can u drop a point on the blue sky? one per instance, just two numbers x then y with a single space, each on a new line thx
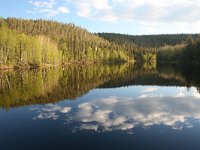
119 16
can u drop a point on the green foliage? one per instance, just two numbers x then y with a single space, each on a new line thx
163 48
39 42
170 54
40 86
191 53
185 54
49 85
148 41
18 49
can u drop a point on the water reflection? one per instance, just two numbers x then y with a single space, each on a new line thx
126 106
116 113
49 112
43 86
19 88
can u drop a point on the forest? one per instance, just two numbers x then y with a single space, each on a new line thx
148 41
164 48
37 43
32 43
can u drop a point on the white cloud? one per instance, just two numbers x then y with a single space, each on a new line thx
119 113
142 10
43 4
125 126
49 115
89 127
149 92
50 111
127 113
195 92
153 16
181 92
149 89
150 95
48 8
95 9
83 10
63 10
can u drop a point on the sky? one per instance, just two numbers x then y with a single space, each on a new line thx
136 17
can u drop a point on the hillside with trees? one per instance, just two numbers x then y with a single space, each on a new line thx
148 41
35 43
38 42
185 54
165 48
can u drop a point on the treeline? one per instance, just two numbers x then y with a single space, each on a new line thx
185 54
191 53
148 41
170 54
36 42
40 42
135 46
167 48
150 47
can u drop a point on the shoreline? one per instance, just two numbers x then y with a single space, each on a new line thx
27 66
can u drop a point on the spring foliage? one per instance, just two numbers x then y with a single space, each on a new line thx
37 42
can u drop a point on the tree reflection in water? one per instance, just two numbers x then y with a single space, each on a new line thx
42 86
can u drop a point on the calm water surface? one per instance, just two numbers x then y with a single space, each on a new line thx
100 107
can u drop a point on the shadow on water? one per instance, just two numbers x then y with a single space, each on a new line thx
41 86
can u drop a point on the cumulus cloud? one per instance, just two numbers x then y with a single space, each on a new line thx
98 9
126 113
181 92
48 8
153 16
51 111
195 92
63 10
89 127
142 10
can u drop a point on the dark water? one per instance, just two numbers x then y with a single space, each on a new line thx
100 107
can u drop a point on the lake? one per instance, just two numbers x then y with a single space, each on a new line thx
125 106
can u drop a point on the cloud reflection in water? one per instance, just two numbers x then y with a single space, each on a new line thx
126 113
50 111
